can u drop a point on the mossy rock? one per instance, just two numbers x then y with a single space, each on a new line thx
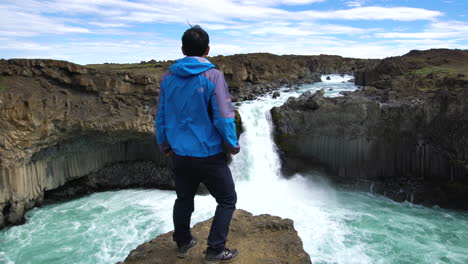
441 72
238 121
285 142
3 83
275 116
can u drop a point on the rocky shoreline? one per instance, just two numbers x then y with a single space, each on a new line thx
404 136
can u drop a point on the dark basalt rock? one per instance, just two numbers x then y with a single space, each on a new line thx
276 95
407 145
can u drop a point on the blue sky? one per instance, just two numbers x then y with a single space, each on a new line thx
98 31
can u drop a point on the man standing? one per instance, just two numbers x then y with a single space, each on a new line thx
195 125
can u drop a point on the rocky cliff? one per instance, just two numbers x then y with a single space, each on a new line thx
259 239
67 129
60 121
251 75
405 138
417 72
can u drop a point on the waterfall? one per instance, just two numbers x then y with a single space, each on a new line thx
336 226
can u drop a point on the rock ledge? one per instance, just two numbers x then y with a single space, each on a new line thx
259 239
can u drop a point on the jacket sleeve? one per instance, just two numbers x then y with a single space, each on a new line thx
160 124
223 113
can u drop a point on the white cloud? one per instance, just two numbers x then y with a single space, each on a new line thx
374 13
457 26
18 23
108 25
436 30
24 45
417 35
276 2
304 29
235 26
227 49
355 3
208 11
300 2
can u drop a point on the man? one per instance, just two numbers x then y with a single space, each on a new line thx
195 122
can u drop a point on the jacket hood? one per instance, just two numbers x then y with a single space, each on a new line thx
189 66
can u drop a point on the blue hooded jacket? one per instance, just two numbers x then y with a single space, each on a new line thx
195 115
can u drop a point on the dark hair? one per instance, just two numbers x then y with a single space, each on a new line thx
195 41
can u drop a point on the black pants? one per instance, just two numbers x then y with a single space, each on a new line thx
214 172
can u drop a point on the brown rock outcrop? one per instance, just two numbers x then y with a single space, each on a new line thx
60 121
407 144
418 71
259 239
251 75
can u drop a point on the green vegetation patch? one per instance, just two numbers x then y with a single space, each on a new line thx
428 88
3 83
238 121
437 72
145 68
431 77
117 67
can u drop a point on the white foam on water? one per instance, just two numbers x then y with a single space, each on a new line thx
302 199
336 78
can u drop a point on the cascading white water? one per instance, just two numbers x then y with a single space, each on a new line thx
335 226
303 199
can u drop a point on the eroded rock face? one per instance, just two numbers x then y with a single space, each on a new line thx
407 145
418 71
60 121
250 75
259 239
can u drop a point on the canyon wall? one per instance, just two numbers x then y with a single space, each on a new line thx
254 74
250 75
405 138
61 121
67 129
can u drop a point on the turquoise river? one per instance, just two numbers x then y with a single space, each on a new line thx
336 225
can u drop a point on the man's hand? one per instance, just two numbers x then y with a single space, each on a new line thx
235 150
169 153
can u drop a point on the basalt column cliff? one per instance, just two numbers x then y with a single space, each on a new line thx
67 129
60 121
405 134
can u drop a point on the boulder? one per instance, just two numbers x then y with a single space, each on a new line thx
259 239
275 95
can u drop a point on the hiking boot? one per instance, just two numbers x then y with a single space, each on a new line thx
225 256
183 251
